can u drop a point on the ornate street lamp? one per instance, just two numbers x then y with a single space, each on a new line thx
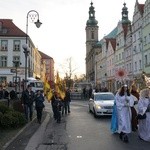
33 15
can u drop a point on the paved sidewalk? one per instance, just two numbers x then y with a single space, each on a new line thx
20 141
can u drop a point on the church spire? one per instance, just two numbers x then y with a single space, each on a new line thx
125 19
92 21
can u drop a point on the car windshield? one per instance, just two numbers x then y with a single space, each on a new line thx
99 97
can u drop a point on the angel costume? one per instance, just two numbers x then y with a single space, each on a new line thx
144 124
123 104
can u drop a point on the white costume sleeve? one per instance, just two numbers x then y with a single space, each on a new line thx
142 105
131 101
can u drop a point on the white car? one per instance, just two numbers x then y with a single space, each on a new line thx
101 103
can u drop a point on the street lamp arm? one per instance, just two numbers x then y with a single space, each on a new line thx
37 23
25 46
33 11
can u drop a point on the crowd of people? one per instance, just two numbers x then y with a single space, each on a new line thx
29 98
59 106
131 113
7 95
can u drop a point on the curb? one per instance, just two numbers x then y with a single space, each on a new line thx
38 135
9 142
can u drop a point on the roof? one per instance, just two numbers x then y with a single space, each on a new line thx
8 28
141 8
112 35
112 41
44 56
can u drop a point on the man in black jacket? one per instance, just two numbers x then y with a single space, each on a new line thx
27 102
67 101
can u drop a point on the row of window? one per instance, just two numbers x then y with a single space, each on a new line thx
136 66
4 59
16 45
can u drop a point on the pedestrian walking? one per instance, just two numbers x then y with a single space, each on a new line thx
56 106
124 101
5 95
114 119
13 94
1 92
144 109
39 105
66 102
27 99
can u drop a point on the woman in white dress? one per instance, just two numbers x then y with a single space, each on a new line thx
124 100
144 107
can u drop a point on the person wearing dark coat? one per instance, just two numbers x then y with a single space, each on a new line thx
67 101
13 94
134 120
39 105
56 106
5 94
27 99
1 93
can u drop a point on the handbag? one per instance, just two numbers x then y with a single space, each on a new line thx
140 117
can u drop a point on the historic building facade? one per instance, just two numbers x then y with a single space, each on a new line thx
12 57
127 48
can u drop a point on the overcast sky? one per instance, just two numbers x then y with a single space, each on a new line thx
62 34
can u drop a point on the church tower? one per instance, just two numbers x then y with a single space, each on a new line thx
125 19
91 40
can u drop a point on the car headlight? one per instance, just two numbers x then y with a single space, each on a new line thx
98 106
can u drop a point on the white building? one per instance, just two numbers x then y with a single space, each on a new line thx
12 55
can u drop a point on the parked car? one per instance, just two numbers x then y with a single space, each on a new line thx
101 103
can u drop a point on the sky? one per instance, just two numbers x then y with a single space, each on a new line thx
62 34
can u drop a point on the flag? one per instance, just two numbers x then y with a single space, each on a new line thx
49 95
47 90
59 86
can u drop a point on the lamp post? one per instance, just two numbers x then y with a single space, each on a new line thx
33 15
16 65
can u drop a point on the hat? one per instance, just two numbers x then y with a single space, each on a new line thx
125 85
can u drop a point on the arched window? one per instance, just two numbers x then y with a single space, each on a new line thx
92 35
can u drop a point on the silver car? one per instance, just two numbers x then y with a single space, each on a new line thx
101 103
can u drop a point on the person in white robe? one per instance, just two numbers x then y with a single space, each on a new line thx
144 107
124 100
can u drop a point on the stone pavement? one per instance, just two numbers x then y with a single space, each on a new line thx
20 141
48 135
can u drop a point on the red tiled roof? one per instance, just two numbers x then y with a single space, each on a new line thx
112 41
141 8
8 28
44 56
